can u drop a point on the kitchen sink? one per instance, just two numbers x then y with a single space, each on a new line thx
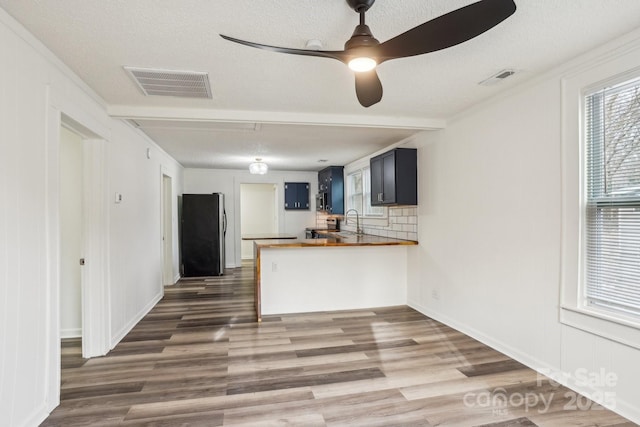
348 234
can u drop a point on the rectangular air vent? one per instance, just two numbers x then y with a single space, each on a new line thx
498 77
186 84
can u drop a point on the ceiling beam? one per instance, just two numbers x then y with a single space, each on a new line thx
276 117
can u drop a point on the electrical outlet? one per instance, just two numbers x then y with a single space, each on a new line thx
435 294
274 267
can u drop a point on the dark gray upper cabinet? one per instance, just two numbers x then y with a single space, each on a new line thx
296 195
331 184
394 177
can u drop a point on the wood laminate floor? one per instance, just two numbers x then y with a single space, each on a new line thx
200 359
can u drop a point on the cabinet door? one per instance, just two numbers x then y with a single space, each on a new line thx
336 193
389 178
290 195
296 195
394 178
302 195
323 178
376 181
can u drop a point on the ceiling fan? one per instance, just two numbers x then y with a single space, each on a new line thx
362 52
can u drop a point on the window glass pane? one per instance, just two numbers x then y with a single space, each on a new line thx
368 209
354 191
613 204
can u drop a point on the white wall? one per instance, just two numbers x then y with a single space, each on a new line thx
136 225
489 260
36 88
71 220
202 181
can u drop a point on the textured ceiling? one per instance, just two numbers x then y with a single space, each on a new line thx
96 38
206 144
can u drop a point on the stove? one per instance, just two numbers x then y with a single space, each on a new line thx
333 224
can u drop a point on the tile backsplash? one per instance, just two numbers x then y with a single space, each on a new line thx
401 223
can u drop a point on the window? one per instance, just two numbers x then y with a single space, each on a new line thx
359 194
612 213
354 191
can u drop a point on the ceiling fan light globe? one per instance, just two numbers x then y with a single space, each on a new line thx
362 64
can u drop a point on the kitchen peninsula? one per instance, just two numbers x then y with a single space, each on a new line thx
339 272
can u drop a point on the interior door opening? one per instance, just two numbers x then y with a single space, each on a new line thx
71 202
71 233
167 232
258 213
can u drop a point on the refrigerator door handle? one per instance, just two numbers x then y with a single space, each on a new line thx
224 224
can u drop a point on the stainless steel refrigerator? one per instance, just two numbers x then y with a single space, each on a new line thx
204 225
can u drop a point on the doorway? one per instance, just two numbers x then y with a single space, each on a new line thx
258 213
78 303
71 232
167 231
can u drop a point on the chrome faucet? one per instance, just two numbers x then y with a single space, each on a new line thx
346 220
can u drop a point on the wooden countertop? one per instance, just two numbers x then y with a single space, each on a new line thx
268 236
335 239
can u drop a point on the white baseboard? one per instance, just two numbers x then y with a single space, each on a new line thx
622 408
513 353
134 321
632 413
37 417
71 333
174 281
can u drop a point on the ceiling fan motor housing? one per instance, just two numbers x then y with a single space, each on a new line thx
360 5
361 37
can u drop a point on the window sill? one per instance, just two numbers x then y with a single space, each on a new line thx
602 324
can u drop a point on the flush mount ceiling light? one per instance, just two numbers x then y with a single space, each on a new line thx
258 167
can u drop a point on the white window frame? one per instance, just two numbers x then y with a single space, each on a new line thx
366 210
574 310
350 194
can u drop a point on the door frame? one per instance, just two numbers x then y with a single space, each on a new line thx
96 304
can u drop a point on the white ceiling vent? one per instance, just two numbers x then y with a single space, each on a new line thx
186 84
498 77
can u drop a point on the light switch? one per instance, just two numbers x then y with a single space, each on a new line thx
118 198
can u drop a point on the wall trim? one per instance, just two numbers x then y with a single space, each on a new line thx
622 408
603 53
115 339
273 117
500 346
71 333
96 295
21 32
38 416
52 187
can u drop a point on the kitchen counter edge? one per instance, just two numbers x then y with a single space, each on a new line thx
355 240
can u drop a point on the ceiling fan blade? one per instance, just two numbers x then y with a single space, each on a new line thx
448 30
368 88
338 54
